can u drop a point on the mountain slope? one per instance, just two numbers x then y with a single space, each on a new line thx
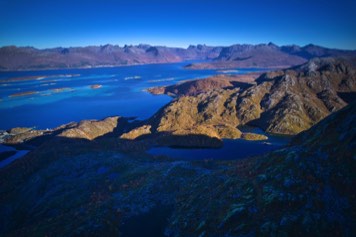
270 56
303 190
291 101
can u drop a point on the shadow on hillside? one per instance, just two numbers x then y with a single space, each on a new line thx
241 85
50 147
348 97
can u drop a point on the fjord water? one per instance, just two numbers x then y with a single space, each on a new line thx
46 99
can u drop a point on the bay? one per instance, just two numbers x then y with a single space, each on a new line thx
46 99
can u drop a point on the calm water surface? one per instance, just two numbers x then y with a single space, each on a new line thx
46 99
232 149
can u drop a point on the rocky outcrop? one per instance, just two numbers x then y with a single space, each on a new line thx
212 114
96 86
86 129
137 132
90 129
17 136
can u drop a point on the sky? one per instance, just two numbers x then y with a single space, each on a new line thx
55 23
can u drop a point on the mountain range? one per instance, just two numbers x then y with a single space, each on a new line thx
269 56
14 58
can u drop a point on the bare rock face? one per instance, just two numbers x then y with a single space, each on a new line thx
20 135
212 114
249 102
90 129
137 132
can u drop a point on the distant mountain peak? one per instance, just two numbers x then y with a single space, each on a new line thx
272 45
153 50
143 46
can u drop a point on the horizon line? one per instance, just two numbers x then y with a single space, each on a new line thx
167 46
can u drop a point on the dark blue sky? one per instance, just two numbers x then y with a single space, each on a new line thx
51 23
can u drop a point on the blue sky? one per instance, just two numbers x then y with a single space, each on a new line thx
53 23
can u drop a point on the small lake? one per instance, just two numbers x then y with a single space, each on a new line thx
232 149
46 99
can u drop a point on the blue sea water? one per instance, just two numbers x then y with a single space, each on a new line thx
62 96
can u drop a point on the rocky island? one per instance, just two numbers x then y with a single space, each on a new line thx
96 86
25 93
